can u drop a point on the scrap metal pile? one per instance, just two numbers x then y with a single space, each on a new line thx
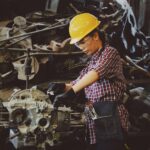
35 48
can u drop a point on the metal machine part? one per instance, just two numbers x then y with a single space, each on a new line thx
20 67
38 123
20 22
4 116
4 34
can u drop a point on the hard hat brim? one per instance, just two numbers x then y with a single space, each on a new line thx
73 41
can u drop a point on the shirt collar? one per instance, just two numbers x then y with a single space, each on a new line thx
97 54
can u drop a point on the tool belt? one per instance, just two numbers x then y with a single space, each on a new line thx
106 119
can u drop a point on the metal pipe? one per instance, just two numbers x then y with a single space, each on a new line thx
35 32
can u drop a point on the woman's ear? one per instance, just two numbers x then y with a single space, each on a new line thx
96 36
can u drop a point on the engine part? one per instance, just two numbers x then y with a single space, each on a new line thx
37 122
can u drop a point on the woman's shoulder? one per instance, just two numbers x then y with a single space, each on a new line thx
111 49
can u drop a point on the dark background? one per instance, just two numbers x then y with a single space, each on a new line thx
11 8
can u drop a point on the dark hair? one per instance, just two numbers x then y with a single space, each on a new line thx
101 34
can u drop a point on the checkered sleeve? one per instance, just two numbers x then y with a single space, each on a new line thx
106 65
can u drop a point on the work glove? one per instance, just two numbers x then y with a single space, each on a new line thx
56 88
69 99
66 98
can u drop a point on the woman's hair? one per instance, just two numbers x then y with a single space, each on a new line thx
101 34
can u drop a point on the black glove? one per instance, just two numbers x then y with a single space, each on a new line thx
67 98
78 107
56 88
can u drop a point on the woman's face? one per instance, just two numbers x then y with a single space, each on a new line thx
90 44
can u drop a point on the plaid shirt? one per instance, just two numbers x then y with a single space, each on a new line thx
110 87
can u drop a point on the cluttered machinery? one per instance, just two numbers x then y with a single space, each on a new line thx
33 121
28 118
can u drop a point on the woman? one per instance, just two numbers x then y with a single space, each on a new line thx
103 82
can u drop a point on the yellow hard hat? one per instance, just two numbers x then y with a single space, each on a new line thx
81 25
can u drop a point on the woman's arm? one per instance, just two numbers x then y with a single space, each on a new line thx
86 80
